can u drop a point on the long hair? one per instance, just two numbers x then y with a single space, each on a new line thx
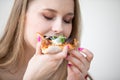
12 42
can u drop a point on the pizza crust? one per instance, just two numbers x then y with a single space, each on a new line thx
52 50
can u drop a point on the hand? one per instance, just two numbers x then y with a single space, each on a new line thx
78 64
42 66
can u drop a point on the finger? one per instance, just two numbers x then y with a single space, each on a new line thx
69 71
79 56
38 46
62 54
78 73
69 68
87 53
76 63
74 72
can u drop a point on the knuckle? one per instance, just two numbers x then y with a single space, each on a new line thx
81 55
86 50
63 55
91 56
79 64
88 67
77 72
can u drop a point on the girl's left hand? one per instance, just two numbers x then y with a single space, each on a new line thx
78 64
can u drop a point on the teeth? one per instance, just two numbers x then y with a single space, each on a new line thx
44 36
48 37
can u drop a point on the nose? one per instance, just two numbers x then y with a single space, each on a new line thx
57 26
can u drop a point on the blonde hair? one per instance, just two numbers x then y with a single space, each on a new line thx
12 42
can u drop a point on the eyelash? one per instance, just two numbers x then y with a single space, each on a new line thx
48 18
66 21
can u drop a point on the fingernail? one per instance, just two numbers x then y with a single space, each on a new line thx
86 76
80 49
68 46
69 65
39 38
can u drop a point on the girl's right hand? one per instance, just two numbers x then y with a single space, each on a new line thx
42 66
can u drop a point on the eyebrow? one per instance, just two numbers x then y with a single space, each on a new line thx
52 10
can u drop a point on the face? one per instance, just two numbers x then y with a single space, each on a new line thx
48 17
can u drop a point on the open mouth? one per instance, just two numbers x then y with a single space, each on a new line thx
48 37
56 39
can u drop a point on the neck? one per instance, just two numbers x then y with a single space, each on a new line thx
29 52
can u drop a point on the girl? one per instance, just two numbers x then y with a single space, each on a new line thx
20 51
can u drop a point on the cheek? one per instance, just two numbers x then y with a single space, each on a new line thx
67 31
32 26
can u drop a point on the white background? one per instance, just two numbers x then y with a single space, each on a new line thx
101 34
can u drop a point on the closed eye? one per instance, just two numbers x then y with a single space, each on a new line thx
48 18
68 21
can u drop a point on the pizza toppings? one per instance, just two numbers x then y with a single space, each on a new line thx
53 44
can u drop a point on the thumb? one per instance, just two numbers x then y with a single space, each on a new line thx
38 46
62 54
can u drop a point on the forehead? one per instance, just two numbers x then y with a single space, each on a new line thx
58 5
